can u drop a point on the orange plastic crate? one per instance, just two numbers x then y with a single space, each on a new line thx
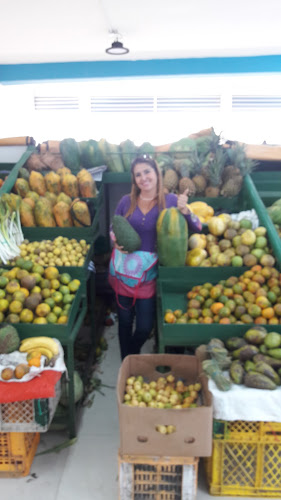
17 450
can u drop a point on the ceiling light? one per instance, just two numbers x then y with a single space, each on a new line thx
117 49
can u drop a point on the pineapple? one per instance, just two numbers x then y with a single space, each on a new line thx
234 172
200 183
171 179
214 173
186 183
232 186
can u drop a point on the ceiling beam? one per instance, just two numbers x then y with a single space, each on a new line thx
28 73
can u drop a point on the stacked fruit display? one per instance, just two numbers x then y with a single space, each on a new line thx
254 360
59 252
30 293
229 243
165 392
53 200
253 297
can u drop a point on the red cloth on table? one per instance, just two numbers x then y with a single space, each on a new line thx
42 386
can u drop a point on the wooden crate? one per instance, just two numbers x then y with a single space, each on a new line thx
157 478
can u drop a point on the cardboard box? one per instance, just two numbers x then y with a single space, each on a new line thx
138 434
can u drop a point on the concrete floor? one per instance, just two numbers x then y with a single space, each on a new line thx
88 470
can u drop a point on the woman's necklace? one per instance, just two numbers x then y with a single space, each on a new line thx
147 199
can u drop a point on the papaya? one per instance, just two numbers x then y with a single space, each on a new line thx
26 215
53 183
43 213
80 213
37 183
86 184
172 238
21 187
125 234
62 215
69 185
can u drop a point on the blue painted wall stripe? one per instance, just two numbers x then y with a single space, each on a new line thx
23 73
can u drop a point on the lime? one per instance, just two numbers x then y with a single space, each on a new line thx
68 298
51 318
4 304
40 321
27 265
55 284
2 294
57 310
64 289
74 285
57 296
50 301
65 278
3 281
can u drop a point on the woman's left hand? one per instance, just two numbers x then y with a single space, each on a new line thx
182 202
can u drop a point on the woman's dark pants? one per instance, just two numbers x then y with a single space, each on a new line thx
144 310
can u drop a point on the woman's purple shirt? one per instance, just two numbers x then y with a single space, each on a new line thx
145 225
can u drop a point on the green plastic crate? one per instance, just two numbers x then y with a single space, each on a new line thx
171 294
81 272
61 332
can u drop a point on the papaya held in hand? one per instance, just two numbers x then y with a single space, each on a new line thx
125 234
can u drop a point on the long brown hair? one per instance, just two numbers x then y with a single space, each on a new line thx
135 191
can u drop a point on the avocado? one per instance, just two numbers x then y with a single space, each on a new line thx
246 352
125 234
236 372
259 381
255 335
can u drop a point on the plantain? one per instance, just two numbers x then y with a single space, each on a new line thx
33 343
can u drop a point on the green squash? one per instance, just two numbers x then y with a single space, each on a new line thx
172 238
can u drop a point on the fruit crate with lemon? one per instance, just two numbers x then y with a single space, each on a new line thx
173 298
246 459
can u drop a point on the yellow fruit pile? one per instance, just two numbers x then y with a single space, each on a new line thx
59 252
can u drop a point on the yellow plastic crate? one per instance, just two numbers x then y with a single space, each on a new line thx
17 450
246 459
157 478
240 430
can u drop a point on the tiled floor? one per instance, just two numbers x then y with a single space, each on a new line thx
88 470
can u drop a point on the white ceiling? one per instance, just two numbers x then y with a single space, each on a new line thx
34 31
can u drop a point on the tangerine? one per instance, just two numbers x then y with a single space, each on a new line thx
268 312
216 307
170 318
260 321
224 321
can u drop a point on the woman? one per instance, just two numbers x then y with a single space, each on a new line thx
142 208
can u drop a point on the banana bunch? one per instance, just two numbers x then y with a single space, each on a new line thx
45 345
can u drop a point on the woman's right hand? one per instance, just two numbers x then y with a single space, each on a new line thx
118 247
